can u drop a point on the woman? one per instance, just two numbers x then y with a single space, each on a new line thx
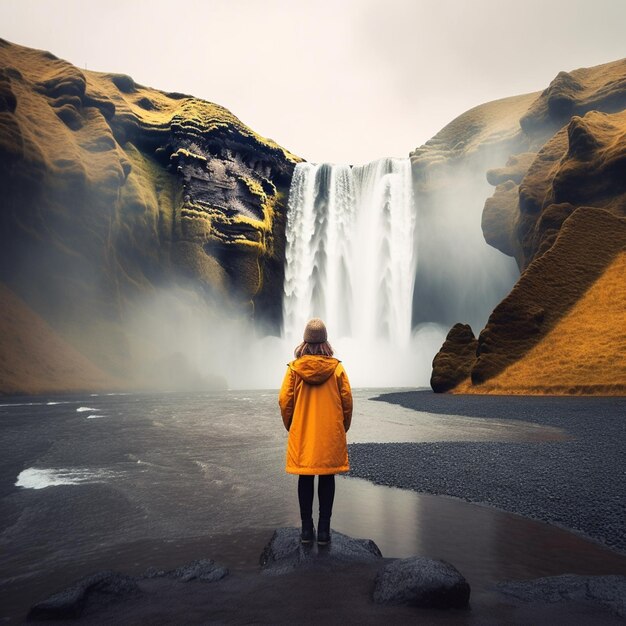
316 405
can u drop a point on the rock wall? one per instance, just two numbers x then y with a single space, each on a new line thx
559 208
111 190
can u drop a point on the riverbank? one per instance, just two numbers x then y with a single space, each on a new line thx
139 481
578 483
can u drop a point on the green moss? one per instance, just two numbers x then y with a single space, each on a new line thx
255 187
148 202
186 153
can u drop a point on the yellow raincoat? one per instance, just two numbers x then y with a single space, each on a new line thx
316 405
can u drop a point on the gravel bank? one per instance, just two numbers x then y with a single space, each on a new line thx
579 484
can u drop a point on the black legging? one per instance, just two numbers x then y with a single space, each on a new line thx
325 493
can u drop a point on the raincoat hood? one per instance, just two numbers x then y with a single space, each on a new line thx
314 369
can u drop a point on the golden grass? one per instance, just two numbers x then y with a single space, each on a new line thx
492 123
585 353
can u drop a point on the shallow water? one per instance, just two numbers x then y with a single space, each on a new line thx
164 476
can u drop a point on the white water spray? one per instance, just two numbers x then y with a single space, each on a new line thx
351 260
350 250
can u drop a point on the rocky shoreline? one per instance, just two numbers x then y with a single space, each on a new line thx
347 581
577 483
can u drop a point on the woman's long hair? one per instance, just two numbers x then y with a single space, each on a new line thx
323 349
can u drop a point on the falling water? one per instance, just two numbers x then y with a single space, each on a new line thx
350 253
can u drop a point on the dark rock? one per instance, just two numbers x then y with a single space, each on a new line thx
124 83
608 592
422 582
453 363
100 589
581 166
284 552
576 93
70 116
146 104
206 570
8 100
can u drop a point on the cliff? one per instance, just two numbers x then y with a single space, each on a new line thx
559 209
112 190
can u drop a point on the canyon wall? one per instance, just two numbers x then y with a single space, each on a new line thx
112 191
114 194
559 209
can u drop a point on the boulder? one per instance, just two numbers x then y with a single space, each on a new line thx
99 589
607 592
453 363
422 582
205 570
285 553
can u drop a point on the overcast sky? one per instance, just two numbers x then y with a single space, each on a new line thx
341 80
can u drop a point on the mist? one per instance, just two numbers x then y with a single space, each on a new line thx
182 340
179 341
460 277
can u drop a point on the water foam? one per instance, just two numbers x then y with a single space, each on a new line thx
38 478
22 404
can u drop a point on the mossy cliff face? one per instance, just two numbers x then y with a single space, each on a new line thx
111 189
559 209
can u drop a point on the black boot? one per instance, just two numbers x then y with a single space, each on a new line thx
308 531
323 531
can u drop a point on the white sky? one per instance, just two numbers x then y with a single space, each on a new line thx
343 80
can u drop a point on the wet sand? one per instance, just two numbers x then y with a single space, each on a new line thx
575 481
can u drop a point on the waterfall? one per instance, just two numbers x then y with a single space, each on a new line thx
350 251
